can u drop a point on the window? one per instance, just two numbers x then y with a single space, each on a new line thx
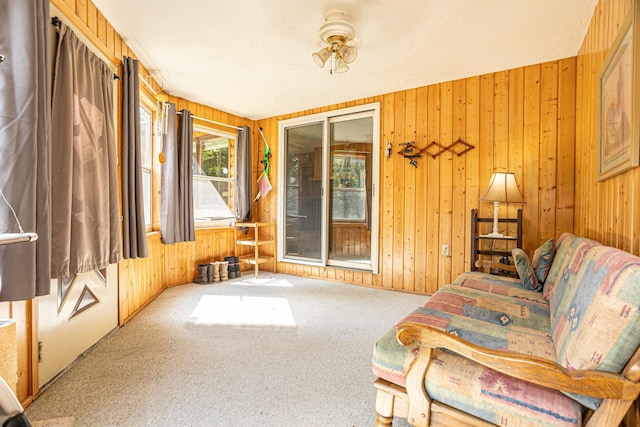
213 181
293 185
146 145
348 191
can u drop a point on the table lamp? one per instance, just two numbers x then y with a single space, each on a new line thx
502 188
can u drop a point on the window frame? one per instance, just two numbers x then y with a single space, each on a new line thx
147 103
231 180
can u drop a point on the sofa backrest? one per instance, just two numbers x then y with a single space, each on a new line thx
567 260
597 310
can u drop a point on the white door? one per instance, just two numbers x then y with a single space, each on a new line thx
75 315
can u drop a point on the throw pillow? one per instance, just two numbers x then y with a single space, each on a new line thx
525 271
542 259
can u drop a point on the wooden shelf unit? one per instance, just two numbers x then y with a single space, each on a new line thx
256 243
477 239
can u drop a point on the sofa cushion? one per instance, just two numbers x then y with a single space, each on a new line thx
485 281
495 397
525 271
542 260
568 257
499 285
518 323
597 318
391 360
493 321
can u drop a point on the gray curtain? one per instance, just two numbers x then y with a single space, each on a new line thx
169 179
85 213
134 236
176 191
25 99
243 175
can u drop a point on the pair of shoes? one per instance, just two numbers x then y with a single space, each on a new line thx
213 272
224 270
234 266
216 271
202 278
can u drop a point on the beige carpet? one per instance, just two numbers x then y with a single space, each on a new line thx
57 422
277 351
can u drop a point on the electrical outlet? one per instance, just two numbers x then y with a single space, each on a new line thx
445 250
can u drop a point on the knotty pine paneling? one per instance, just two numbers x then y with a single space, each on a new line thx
141 280
520 120
26 340
607 211
350 240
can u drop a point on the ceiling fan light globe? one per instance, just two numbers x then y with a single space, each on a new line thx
349 53
321 57
341 66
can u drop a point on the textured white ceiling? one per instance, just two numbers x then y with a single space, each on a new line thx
252 58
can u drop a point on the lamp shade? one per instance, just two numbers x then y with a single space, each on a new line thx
348 53
502 188
321 56
341 66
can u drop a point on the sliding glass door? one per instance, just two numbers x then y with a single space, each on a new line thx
303 192
350 188
329 205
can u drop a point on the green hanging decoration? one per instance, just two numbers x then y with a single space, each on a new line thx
264 186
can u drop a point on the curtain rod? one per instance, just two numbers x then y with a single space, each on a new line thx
146 83
9 238
55 21
211 121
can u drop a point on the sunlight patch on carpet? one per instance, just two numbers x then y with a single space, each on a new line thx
243 311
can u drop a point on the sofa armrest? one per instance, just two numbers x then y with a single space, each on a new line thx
533 369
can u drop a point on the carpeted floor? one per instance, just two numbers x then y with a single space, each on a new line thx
276 351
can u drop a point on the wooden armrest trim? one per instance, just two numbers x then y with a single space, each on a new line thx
487 265
528 368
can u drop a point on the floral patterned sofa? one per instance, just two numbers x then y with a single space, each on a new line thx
557 347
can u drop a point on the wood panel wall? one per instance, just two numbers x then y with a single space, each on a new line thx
607 211
141 280
23 314
520 120
350 240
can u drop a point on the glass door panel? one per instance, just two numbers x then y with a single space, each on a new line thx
327 205
303 196
350 187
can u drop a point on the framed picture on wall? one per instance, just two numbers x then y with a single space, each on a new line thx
619 137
